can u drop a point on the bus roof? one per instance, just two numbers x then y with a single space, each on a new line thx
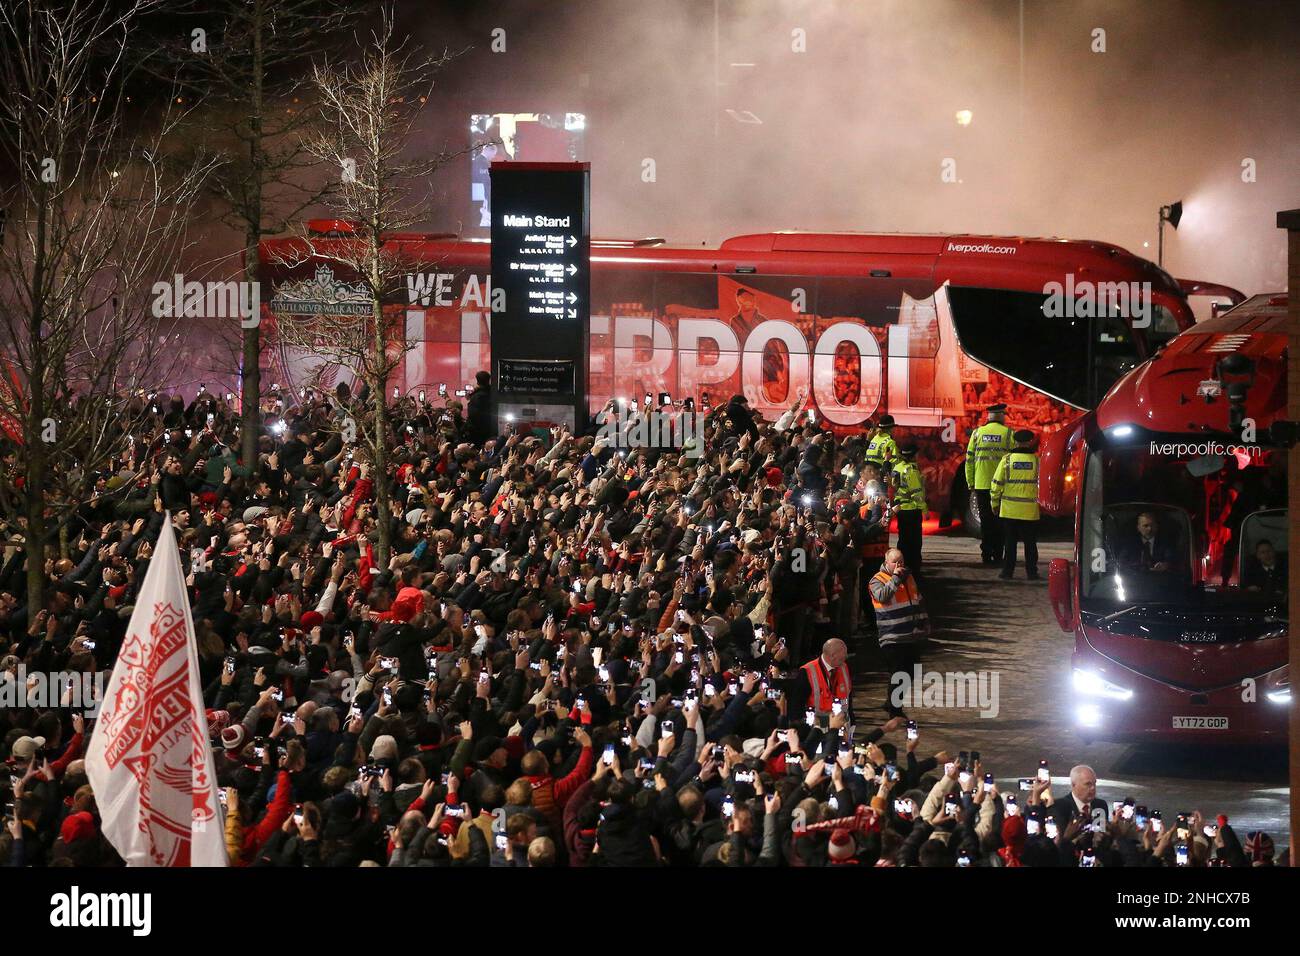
1010 262
1165 394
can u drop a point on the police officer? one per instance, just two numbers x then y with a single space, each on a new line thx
909 505
988 444
1014 495
882 450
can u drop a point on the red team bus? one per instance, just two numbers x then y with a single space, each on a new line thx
1178 598
929 329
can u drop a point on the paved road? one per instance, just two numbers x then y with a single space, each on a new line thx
1007 628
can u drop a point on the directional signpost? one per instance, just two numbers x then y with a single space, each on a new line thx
541 252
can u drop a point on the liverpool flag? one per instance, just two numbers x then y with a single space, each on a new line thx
149 758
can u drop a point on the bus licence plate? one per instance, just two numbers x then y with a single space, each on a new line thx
1200 723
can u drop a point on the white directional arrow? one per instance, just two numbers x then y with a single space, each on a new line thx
573 313
573 297
572 242
572 268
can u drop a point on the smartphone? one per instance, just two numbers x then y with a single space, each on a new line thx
221 796
1044 774
950 805
1088 858
1031 826
1183 825
912 732
963 859
1051 828
484 677
679 657
277 695
1011 805
1181 857
603 671
608 755
988 783
733 688
964 778
442 389
728 806
297 815
388 663
666 729
837 707
388 696
1157 822
810 717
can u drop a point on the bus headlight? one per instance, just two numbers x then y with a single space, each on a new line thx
1088 715
1092 684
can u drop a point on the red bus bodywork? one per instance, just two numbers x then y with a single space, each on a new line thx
861 321
1211 667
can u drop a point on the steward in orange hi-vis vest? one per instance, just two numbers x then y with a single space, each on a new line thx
825 692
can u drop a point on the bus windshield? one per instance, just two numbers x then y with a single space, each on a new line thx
1060 348
1202 532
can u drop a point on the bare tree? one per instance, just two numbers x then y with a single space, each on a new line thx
248 64
369 109
94 218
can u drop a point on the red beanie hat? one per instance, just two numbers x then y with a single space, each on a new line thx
1014 833
841 846
312 619
78 826
774 476
408 603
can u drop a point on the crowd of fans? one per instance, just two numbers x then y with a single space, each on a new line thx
575 654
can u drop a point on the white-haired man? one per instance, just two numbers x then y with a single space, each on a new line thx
1082 800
